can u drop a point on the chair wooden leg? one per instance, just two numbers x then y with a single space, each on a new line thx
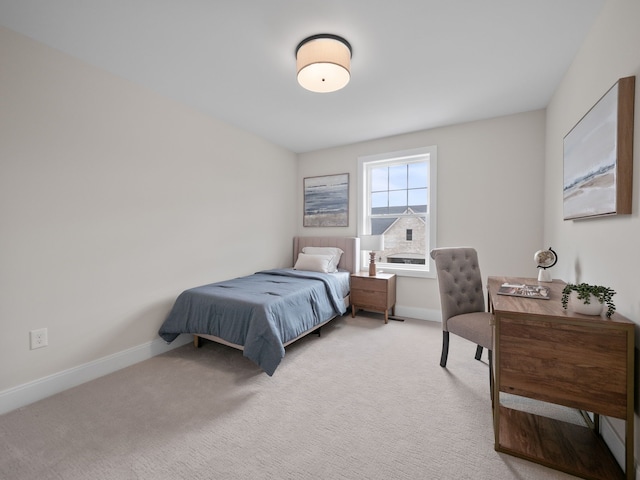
478 352
445 349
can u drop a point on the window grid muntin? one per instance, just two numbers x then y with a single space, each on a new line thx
364 224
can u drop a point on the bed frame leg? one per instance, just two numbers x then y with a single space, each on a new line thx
196 341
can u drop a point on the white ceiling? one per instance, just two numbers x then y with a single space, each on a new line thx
417 64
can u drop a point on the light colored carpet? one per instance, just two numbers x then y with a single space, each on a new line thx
364 401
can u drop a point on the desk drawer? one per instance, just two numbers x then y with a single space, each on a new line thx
574 365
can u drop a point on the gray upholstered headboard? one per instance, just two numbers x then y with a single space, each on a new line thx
350 259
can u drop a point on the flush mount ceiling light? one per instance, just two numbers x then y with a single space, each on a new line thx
323 63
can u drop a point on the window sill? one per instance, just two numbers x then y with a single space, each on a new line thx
405 272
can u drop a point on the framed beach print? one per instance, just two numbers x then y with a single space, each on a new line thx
598 157
326 201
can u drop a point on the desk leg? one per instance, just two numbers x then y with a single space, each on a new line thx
491 375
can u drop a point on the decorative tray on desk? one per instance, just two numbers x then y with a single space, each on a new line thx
524 290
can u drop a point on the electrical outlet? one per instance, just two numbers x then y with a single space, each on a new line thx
39 338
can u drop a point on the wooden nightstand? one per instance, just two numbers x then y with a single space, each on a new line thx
373 293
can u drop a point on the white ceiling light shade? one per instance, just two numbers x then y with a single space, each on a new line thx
323 63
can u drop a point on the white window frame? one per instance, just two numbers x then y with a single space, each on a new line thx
364 201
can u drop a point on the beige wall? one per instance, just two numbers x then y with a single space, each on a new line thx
602 251
490 195
112 201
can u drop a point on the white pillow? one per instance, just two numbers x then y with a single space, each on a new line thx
313 263
335 252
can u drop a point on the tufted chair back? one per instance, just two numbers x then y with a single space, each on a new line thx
459 281
462 300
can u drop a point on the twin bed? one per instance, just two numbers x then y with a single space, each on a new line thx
262 313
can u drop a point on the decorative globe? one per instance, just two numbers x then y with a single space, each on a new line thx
545 259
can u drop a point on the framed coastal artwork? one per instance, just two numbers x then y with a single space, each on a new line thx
326 201
598 157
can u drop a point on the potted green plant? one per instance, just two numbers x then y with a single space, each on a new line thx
586 293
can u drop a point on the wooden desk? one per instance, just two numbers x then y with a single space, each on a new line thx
544 352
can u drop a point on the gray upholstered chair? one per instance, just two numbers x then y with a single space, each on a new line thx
462 300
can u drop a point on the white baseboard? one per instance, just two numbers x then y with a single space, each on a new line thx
31 392
615 444
419 313
611 438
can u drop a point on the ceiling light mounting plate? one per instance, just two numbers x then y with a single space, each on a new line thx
330 36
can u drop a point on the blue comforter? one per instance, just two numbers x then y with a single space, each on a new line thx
262 311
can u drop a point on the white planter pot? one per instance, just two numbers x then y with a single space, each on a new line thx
594 307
